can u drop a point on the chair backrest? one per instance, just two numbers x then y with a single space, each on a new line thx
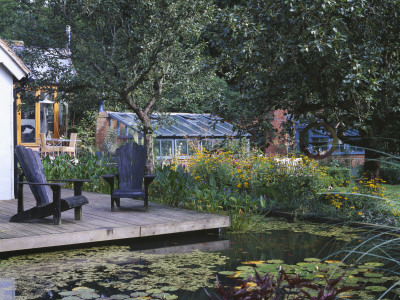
32 168
43 145
73 137
131 159
42 139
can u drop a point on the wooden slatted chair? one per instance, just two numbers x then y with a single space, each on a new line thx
71 148
47 195
131 159
46 149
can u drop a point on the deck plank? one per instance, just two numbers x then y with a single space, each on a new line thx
99 223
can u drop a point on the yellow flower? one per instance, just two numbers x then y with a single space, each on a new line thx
360 213
239 185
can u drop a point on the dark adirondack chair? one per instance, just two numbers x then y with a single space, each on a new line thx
47 195
131 159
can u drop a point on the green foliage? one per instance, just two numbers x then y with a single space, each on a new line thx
341 175
172 185
283 286
390 172
335 61
86 130
8 13
89 167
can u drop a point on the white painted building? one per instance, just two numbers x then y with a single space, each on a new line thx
11 69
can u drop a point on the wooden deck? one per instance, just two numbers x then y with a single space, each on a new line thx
99 223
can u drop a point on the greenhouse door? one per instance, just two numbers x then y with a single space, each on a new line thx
35 117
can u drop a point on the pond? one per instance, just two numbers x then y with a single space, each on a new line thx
180 267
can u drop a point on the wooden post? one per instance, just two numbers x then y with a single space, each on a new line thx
56 204
20 193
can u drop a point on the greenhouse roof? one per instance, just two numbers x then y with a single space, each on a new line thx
182 125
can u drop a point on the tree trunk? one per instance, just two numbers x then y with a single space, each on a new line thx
148 143
372 163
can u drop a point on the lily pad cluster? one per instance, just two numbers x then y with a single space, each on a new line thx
114 272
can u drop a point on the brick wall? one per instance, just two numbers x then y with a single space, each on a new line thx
102 126
278 145
351 160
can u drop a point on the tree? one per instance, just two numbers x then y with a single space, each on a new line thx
8 14
331 61
133 52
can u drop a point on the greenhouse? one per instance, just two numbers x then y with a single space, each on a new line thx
177 134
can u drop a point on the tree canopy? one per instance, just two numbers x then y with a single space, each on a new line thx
135 54
333 61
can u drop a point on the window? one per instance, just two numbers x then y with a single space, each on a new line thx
181 147
166 148
157 147
28 123
206 145
193 145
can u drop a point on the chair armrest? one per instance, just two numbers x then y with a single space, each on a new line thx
69 180
49 184
78 183
110 179
106 176
148 178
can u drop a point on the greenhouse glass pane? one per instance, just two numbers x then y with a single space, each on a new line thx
193 146
157 146
166 147
181 148
217 143
207 145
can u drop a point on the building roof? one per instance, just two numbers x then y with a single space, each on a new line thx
12 62
182 125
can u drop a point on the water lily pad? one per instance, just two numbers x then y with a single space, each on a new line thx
119 296
175 288
376 288
312 259
374 264
373 274
72 298
67 293
253 262
171 297
332 261
227 273
154 291
245 268
275 261
82 288
139 294
159 295
376 280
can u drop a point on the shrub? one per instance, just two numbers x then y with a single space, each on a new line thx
341 176
390 173
365 201
89 166
172 185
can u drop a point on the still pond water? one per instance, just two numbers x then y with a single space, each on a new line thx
180 267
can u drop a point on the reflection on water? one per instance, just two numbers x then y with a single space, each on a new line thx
178 266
